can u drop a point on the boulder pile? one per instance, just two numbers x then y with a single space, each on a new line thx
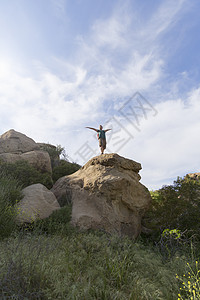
15 146
105 193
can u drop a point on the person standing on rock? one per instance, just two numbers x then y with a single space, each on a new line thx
101 134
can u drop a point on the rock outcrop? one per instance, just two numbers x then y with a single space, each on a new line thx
195 176
38 159
106 194
38 203
15 146
16 142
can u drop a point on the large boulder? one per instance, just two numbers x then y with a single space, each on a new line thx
38 203
15 146
106 194
16 142
38 159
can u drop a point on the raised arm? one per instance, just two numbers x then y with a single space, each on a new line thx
92 128
107 130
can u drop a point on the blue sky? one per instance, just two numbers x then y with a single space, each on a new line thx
129 65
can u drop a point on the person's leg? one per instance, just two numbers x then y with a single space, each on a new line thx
103 145
100 144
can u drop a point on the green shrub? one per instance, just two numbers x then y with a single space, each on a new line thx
176 206
10 193
26 174
171 242
56 223
64 168
54 152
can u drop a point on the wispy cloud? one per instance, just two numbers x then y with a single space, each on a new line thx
112 32
119 55
166 16
168 143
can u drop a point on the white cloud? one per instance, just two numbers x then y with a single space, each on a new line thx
111 32
40 103
53 103
168 144
167 15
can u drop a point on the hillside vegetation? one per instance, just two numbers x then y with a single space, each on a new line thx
49 259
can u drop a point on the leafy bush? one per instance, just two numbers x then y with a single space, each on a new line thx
176 206
64 168
56 223
10 193
171 241
54 152
26 174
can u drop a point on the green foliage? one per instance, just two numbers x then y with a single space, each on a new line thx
26 174
85 265
10 193
54 152
51 260
190 283
56 223
21 275
176 206
64 168
173 233
60 167
170 242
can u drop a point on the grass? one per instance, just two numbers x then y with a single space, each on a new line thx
190 283
10 193
49 259
85 265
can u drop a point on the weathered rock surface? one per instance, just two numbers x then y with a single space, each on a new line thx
16 142
15 146
38 159
195 176
38 203
106 194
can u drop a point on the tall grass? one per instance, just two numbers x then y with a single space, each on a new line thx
10 193
51 260
21 274
85 265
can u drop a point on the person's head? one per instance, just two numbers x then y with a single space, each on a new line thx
100 127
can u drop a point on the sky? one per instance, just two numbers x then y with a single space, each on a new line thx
132 66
